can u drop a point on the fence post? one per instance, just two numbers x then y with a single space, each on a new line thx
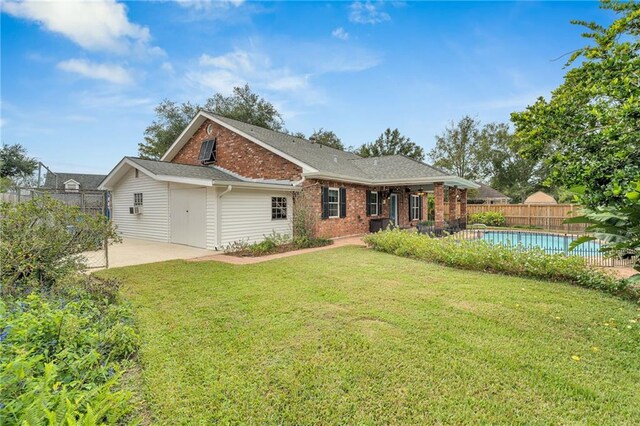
529 212
106 253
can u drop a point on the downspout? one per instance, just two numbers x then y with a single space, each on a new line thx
219 217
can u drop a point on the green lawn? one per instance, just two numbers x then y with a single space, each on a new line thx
355 336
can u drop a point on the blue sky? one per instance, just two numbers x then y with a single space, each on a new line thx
80 80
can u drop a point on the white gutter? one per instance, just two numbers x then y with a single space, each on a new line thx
455 180
257 185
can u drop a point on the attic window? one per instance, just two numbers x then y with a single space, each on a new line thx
208 151
71 186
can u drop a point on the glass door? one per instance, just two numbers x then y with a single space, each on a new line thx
393 209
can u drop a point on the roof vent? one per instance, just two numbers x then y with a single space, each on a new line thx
375 162
335 159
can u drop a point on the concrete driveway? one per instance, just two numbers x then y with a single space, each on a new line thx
138 252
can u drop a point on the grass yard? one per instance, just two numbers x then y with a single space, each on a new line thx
354 336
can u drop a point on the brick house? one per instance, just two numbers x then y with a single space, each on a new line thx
223 180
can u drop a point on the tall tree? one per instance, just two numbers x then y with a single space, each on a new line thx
591 124
326 138
391 142
460 149
14 161
505 169
172 118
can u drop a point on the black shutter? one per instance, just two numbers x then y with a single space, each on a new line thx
420 207
368 203
379 203
410 208
325 202
343 202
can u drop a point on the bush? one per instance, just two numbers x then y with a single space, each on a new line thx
482 256
275 243
43 240
488 218
61 358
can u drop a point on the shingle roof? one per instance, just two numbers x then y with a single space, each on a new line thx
184 170
485 191
330 160
86 181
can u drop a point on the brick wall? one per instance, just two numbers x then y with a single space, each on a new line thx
239 155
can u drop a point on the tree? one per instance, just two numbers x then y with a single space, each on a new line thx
391 142
16 167
460 149
505 169
327 138
589 129
14 162
172 118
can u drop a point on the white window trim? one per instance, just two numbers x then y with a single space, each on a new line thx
415 210
286 207
135 202
374 204
337 203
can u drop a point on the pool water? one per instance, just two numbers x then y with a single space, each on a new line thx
551 243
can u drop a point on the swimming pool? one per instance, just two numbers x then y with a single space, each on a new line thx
551 243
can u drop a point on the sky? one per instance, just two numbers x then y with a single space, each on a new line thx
80 80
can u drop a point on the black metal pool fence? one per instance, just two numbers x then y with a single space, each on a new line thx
552 242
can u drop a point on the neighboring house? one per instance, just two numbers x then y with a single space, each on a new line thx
223 181
73 182
487 195
540 198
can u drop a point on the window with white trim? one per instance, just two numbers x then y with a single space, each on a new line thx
71 186
415 207
278 207
334 202
137 199
374 203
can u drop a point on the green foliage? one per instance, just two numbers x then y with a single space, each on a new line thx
61 357
488 218
43 240
327 138
172 118
460 150
589 127
481 256
275 243
617 226
14 162
391 142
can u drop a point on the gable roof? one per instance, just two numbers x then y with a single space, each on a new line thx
87 181
321 161
487 192
184 173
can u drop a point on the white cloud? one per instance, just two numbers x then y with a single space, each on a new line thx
168 67
340 33
3 122
100 25
108 72
367 13
206 5
222 73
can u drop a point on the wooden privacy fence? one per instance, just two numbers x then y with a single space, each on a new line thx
550 216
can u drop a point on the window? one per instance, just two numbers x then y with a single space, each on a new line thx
71 186
373 200
334 202
137 199
278 207
415 207
208 151
137 173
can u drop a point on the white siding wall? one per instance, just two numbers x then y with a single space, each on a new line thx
212 218
153 224
246 215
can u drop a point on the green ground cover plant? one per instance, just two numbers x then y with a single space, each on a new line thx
65 338
275 243
357 336
481 256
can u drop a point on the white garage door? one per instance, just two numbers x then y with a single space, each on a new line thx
188 217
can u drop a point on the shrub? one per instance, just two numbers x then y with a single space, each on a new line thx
43 240
61 358
274 243
488 218
482 256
